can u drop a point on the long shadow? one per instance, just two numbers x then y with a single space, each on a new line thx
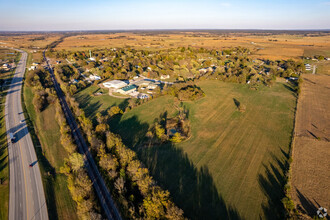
192 189
237 103
290 88
272 184
308 206
311 133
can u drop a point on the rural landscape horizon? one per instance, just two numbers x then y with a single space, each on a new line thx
164 109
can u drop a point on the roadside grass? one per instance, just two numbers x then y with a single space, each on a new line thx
45 132
233 161
4 168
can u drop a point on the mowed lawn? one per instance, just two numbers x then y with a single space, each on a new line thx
59 202
93 104
232 165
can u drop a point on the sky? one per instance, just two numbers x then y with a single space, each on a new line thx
58 15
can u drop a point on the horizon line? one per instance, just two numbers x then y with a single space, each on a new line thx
166 29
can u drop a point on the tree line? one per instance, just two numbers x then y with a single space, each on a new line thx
79 184
129 181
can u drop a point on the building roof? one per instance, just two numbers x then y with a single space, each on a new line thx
115 82
127 88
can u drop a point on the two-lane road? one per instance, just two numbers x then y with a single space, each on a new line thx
26 195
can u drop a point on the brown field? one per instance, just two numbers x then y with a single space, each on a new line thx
286 46
267 46
311 164
31 41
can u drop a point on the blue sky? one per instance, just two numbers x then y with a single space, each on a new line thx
20 15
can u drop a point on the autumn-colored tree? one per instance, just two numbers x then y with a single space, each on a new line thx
76 160
115 110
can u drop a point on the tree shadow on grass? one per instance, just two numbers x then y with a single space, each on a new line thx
291 87
192 189
272 185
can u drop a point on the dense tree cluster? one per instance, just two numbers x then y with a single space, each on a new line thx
43 91
132 186
79 183
175 129
66 76
186 91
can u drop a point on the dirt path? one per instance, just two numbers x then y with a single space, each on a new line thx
311 151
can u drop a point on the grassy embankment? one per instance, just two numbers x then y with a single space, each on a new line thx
233 163
4 168
45 132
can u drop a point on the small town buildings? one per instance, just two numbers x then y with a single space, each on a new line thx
142 96
152 86
143 83
116 84
127 89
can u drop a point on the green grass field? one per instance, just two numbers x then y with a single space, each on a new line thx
232 166
93 104
59 202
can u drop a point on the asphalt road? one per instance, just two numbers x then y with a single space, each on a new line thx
101 190
26 195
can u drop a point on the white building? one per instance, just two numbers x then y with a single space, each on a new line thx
94 77
127 89
152 86
142 96
33 68
116 84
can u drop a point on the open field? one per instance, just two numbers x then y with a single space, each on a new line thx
31 41
311 166
232 166
263 46
59 202
92 103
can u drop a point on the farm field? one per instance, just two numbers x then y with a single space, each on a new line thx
310 168
267 46
59 202
232 165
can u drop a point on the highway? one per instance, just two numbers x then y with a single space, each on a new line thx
26 193
101 190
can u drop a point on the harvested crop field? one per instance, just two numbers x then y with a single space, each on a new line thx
311 152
